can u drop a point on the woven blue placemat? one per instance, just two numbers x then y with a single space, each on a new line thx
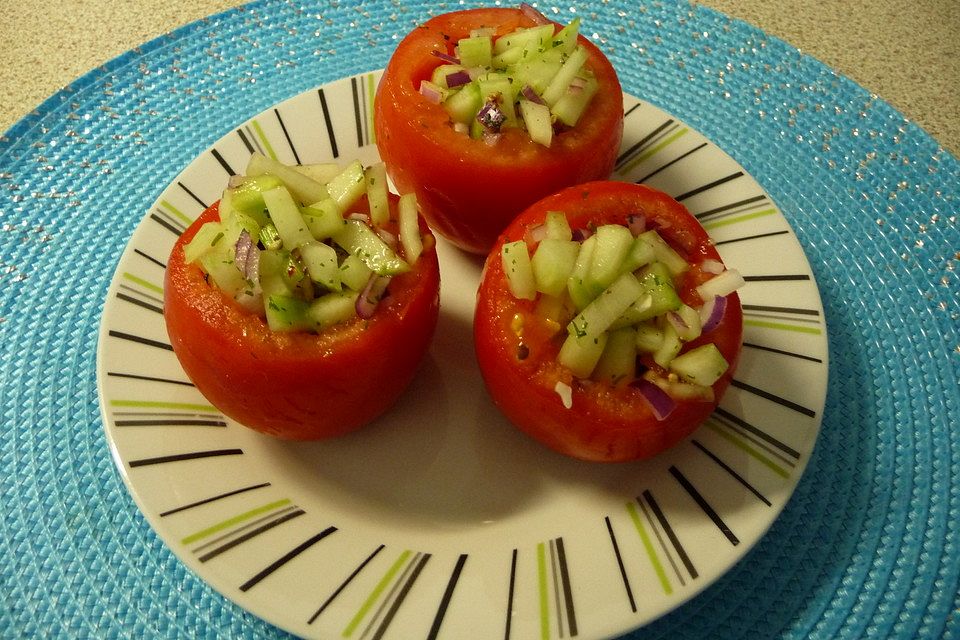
869 545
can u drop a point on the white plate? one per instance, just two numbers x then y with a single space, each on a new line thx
440 519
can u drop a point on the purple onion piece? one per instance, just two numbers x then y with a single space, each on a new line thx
581 234
430 92
247 256
531 94
491 116
457 79
712 312
659 401
371 295
637 223
533 14
446 57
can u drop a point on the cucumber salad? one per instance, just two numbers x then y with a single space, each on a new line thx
293 246
531 78
615 290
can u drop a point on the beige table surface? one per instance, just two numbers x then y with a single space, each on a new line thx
908 53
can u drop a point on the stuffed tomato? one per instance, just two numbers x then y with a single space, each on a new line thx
303 321
607 327
482 112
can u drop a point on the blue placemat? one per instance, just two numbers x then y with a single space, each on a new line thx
869 545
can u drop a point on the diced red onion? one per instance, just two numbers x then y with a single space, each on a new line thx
457 79
387 237
430 91
577 85
711 312
491 138
721 284
531 94
712 266
446 57
247 256
235 181
491 116
660 403
536 233
460 127
677 321
370 297
581 234
637 223
533 14
362 217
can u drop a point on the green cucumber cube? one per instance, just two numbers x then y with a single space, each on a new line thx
320 261
269 237
618 362
354 273
280 274
603 310
464 105
566 39
580 354
332 308
348 186
376 177
537 71
557 226
537 119
286 313
301 187
613 244
540 35
323 219
552 264
669 348
206 238
286 217
439 75
649 337
640 255
358 239
665 253
580 288
499 89
476 51
703 365
515 257
322 172
561 81
573 102
409 222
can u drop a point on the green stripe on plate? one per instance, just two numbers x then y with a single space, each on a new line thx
229 522
741 444
263 138
648 547
782 326
157 404
371 95
172 209
375 594
748 216
542 589
652 151
142 282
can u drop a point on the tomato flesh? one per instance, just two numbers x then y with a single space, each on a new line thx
517 349
299 386
470 190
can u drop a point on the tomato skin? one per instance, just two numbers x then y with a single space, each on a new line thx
469 190
604 424
299 386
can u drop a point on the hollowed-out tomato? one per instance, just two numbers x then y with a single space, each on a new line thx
517 348
470 190
300 386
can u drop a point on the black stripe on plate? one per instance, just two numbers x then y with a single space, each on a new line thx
629 111
709 185
236 542
357 111
285 558
401 596
730 470
329 123
286 135
704 505
671 163
786 277
567 591
192 195
245 140
343 585
215 498
140 303
181 457
223 163
510 592
632 151
620 565
783 352
671 534
447 596
734 205
134 376
166 223
772 397
763 435
775 309
150 258
758 236
140 340
171 422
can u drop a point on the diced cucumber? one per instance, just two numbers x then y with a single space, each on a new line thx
360 240
552 263
658 297
515 258
554 310
613 244
580 354
238 222
301 187
560 82
538 71
597 317
566 39
690 324
669 348
376 177
287 313
332 308
665 253
574 101
640 255
409 222
703 365
269 237
537 118
280 274
320 261
354 273
618 362
540 35
323 219
581 290
204 241
322 172
475 51
347 186
286 218
220 267
557 226
649 337
464 104
247 197
498 88
439 75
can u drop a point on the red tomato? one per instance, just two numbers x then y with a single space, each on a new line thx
604 423
300 386
469 190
